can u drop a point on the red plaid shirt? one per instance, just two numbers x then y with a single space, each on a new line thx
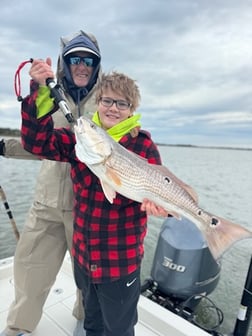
108 238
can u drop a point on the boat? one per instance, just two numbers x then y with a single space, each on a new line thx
57 318
155 317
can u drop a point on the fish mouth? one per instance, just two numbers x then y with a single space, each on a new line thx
79 122
83 124
80 127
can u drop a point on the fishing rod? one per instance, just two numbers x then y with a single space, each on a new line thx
9 213
245 311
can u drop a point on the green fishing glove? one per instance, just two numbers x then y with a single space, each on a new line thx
44 102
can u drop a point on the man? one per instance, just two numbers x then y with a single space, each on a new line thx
47 233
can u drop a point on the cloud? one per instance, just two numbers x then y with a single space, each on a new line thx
191 59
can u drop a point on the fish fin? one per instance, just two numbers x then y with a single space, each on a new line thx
113 176
181 183
223 234
109 192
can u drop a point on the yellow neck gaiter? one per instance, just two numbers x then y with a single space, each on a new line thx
120 129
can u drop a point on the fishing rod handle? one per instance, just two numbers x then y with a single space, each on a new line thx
57 94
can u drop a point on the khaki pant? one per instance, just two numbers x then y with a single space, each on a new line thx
39 255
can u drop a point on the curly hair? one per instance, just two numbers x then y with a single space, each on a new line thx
119 83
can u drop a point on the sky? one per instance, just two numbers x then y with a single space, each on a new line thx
192 60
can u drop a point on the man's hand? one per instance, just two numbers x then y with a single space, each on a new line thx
152 209
41 70
2 147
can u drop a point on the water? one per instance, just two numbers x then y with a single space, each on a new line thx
223 181
18 179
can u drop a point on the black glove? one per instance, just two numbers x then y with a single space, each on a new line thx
2 147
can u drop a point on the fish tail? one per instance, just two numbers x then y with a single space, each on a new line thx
222 234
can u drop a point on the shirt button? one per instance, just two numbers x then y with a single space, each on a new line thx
93 268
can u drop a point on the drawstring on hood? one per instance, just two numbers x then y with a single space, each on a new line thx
81 42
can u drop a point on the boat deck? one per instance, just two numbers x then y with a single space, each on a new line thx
57 319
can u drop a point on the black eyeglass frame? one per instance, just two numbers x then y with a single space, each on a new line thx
124 104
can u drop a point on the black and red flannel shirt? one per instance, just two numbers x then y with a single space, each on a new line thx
108 238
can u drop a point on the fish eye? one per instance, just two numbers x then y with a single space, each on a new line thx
167 179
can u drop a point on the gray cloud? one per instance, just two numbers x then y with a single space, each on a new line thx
191 59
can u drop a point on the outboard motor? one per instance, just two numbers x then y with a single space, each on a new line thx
183 269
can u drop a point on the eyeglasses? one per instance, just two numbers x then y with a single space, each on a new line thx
120 104
76 60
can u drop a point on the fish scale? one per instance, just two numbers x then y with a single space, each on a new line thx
140 180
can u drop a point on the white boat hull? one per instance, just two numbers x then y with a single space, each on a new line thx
57 318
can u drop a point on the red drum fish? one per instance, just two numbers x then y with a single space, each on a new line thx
130 175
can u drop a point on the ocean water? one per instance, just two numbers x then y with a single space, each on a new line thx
223 181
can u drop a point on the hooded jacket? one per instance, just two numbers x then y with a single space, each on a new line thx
54 185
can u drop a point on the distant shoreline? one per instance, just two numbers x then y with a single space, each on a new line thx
16 133
9 132
207 147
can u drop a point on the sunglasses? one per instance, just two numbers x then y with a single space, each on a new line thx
120 104
76 60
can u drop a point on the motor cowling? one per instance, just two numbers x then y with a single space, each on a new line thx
183 265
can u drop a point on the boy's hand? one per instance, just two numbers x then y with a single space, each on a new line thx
152 209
